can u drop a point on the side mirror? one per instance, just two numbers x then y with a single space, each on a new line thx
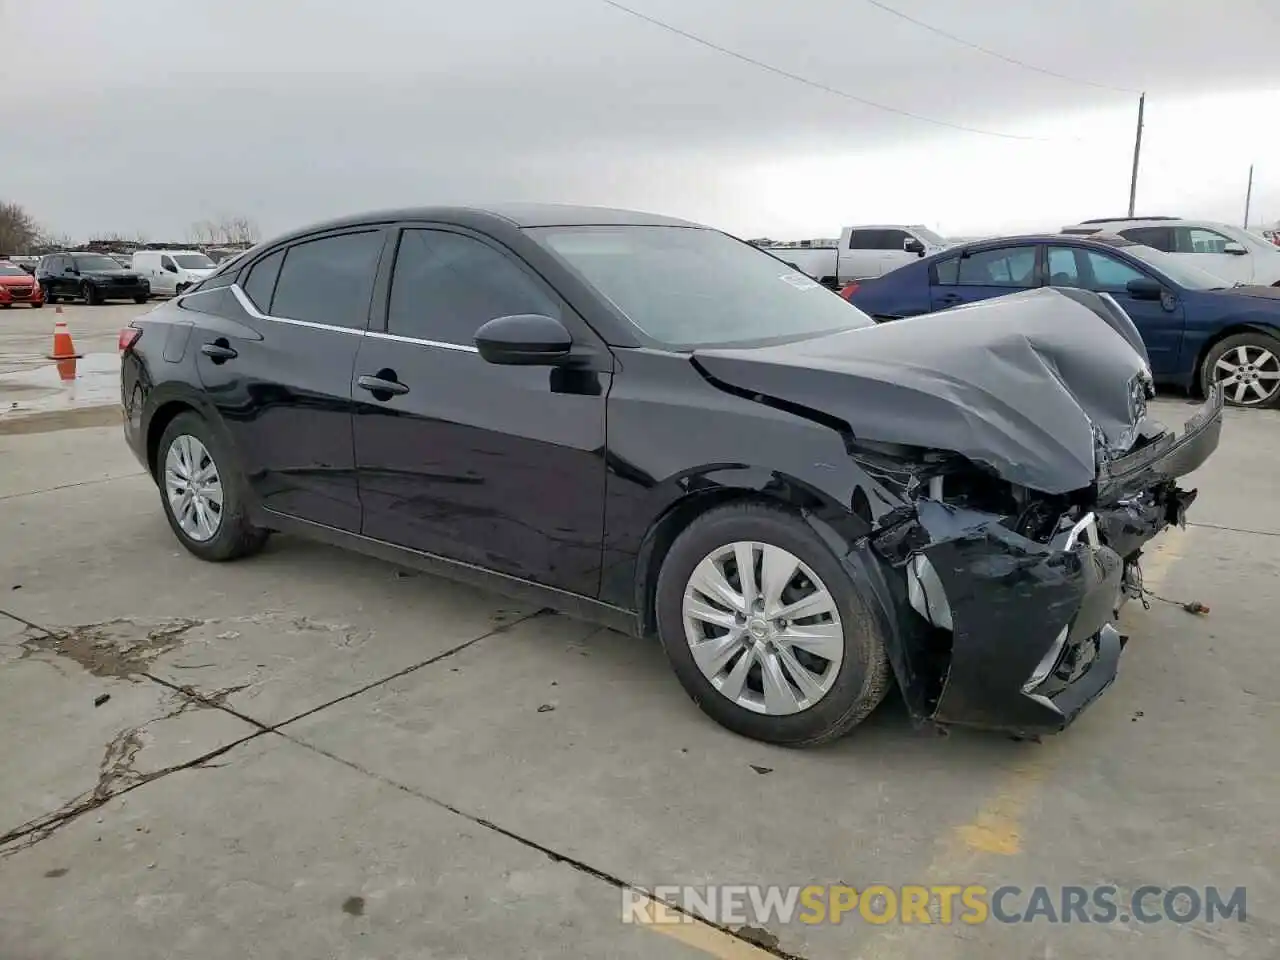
524 339
1144 288
1235 249
913 245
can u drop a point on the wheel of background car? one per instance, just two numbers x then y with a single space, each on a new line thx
1247 366
139 299
203 492
765 630
90 294
49 295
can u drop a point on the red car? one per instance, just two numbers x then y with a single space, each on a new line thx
18 286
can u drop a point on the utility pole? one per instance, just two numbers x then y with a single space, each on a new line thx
1248 196
1137 151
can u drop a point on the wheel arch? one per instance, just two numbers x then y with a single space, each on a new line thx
1230 330
711 489
165 409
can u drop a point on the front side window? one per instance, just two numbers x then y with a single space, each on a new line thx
167 263
446 286
686 287
1200 240
894 240
329 280
1001 267
1109 274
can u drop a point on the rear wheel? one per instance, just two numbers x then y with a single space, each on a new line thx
766 631
1247 367
203 494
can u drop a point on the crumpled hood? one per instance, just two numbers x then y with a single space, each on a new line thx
1019 383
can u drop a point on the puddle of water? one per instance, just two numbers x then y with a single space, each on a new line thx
41 389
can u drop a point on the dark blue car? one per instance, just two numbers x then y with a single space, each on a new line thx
1198 328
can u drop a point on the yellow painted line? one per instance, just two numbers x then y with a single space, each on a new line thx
693 932
996 829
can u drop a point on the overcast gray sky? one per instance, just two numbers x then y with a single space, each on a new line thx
147 115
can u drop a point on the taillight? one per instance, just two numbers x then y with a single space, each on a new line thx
128 337
848 290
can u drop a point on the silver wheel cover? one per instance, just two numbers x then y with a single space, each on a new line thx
1249 374
193 488
763 628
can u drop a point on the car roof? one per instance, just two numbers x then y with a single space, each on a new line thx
1095 239
515 214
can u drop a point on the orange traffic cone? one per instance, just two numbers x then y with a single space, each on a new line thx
63 348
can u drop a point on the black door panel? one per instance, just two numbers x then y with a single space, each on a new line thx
499 466
285 399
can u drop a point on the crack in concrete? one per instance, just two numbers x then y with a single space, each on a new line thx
116 768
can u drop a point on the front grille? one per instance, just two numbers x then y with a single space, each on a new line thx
21 293
125 281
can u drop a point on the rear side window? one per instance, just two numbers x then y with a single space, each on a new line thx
1200 240
865 240
447 285
1158 238
329 280
261 282
1001 267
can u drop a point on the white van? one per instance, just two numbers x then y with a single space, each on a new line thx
172 271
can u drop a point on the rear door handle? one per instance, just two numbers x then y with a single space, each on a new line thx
377 385
219 351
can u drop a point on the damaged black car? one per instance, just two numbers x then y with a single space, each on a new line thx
648 423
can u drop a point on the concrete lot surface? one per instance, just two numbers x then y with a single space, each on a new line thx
313 754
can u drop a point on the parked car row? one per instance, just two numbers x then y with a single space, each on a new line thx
1198 328
649 423
18 286
861 252
98 277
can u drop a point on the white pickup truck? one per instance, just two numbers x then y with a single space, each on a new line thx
861 253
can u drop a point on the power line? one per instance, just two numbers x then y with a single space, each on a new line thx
817 85
994 53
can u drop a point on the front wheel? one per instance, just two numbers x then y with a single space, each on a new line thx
139 299
36 306
766 631
203 494
1247 367
49 296
90 294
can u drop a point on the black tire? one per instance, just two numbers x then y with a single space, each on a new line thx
90 294
139 299
5 306
864 674
235 536
49 295
36 306
1253 343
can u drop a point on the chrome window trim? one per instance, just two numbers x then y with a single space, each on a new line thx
248 306
459 347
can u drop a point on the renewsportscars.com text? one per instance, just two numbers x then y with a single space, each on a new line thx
933 904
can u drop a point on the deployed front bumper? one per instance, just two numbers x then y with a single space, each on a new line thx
1032 636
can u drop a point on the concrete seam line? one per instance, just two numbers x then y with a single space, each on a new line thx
72 486
554 856
500 629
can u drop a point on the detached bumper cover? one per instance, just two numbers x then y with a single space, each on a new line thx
1032 636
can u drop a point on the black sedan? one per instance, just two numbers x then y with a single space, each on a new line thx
650 423
91 277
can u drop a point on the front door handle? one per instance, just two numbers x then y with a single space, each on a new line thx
383 385
951 298
219 351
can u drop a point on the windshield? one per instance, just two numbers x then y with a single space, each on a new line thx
927 235
96 262
688 287
193 261
9 270
1177 269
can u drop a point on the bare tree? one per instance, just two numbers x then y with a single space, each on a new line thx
19 231
202 231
